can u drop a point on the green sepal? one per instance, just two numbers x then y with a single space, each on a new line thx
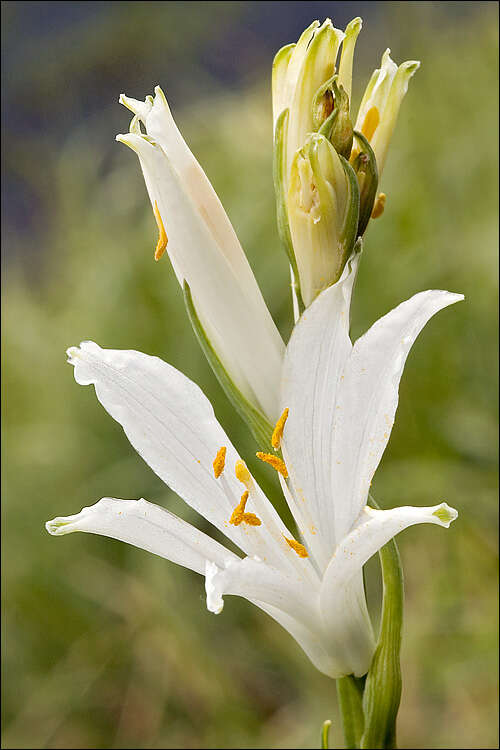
325 731
350 697
382 693
280 187
337 126
262 430
365 167
350 233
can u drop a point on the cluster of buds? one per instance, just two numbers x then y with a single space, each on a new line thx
326 169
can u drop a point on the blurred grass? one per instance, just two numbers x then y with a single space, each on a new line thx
106 646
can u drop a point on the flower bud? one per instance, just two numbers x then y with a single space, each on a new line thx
298 73
337 127
380 105
323 209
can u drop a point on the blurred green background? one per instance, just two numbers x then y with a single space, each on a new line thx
106 646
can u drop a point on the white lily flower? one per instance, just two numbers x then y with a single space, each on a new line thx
341 400
206 255
379 108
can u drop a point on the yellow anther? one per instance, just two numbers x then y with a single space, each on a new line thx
275 462
161 245
370 123
242 472
219 462
379 205
297 547
239 516
251 519
278 430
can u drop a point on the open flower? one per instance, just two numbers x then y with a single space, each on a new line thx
338 403
207 258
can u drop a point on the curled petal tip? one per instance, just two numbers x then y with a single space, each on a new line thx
59 526
445 514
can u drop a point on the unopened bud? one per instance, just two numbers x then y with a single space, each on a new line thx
323 209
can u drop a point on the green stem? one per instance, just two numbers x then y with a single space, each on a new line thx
382 694
350 697
325 730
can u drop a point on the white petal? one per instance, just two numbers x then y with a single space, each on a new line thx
161 126
346 620
314 361
378 88
253 579
279 77
373 529
172 425
368 398
139 108
314 642
228 302
346 58
148 527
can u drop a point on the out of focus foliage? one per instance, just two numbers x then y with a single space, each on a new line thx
107 646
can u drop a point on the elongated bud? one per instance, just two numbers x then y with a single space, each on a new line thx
298 72
323 210
379 108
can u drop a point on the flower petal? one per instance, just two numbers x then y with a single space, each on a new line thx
320 650
226 297
314 361
147 526
254 579
342 598
368 398
346 58
373 529
385 92
172 425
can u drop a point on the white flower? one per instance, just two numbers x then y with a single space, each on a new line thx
341 401
379 108
206 255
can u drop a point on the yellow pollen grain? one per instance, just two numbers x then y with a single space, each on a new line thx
241 471
379 205
297 547
219 462
370 123
161 245
278 430
275 462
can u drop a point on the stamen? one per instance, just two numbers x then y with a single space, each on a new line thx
242 473
297 547
219 462
278 430
161 245
379 205
275 462
370 123
239 516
